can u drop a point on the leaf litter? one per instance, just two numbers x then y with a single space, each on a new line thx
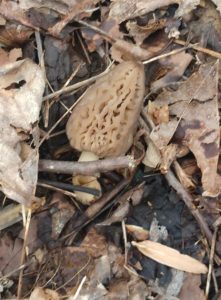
139 220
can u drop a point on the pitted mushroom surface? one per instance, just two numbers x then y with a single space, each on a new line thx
106 118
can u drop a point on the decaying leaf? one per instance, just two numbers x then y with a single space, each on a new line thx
170 257
195 108
13 35
191 288
21 89
10 252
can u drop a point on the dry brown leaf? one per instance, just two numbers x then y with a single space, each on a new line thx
44 294
77 9
94 243
195 104
14 34
21 89
10 253
170 257
191 288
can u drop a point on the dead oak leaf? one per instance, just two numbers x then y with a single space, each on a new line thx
195 120
10 254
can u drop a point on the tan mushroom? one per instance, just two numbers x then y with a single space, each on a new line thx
106 118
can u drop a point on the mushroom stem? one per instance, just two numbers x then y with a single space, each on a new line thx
86 168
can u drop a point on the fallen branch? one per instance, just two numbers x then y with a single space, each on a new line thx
86 168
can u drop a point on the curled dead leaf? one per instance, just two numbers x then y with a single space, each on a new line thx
21 88
170 257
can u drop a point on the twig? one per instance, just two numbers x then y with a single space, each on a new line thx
28 220
173 52
78 289
86 168
186 197
67 188
201 49
95 209
125 241
83 48
212 251
45 108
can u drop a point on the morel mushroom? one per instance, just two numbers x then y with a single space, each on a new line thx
106 118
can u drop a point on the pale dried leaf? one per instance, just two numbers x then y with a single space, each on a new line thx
19 111
152 156
121 11
170 257
218 4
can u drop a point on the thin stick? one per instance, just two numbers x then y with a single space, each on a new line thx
125 241
201 49
75 86
78 289
27 225
212 251
83 48
86 168
186 197
45 107
173 52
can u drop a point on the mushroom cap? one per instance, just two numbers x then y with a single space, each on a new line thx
105 119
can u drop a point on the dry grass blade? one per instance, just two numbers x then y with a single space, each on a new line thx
170 257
